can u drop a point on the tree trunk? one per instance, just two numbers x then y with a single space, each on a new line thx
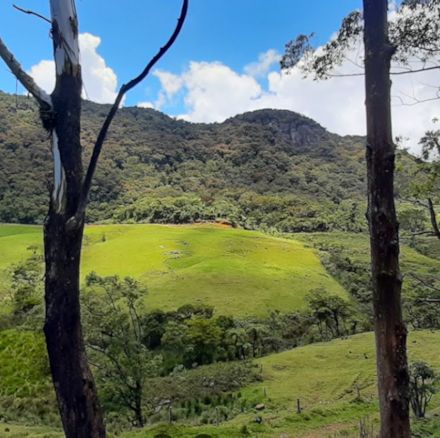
433 217
73 381
138 412
392 368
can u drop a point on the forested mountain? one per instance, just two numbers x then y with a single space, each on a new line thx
266 168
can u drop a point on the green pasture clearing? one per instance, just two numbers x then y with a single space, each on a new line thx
238 272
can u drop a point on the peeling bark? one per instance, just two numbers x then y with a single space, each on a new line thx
390 331
58 175
73 381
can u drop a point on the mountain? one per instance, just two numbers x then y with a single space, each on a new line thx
262 169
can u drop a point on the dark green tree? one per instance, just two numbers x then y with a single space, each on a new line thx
115 339
422 386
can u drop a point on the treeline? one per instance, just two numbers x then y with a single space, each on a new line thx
249 210
145 360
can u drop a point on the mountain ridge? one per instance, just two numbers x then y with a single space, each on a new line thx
264 168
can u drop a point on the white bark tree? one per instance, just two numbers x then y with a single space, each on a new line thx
63 229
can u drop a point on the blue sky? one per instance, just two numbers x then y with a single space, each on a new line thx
225 61
233 32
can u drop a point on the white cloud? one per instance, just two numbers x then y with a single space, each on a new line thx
145 105
171 83
214 92
44 74
100 81
265 61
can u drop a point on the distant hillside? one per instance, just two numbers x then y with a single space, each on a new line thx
267 168
238 272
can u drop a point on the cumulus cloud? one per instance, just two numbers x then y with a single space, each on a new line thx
44 74
100 81
213 92
265 61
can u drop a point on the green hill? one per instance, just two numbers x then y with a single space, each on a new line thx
335 382
238 272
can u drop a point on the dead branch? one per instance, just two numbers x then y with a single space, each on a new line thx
26 80
75 220
29 12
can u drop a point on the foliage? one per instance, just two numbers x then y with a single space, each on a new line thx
413 31
114 338
422 387
26 288
331 313
264 169
346 257
325 376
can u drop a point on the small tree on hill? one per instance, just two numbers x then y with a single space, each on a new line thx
422 386
115 339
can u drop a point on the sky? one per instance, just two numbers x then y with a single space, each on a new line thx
225 62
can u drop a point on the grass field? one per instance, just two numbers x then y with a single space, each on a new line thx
238 272
241 273
326 377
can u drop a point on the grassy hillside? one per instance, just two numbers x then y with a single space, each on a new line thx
238 272
324 376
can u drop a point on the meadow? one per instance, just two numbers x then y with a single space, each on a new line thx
238 272
335 382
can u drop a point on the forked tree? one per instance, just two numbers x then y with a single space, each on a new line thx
60 113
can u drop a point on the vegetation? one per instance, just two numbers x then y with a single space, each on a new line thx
335 382
422 387
282 174
196 367
238 272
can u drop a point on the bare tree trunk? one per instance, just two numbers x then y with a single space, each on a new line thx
74 386
433 218
392 368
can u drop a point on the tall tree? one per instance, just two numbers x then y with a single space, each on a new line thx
63 229
390 331
413 32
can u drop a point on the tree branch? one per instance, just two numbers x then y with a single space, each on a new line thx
26 80
426 284
75 220
29 12
393 73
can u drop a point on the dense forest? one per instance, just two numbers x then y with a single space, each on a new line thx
267 169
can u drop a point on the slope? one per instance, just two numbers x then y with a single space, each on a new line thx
335 382
238 272
269 168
